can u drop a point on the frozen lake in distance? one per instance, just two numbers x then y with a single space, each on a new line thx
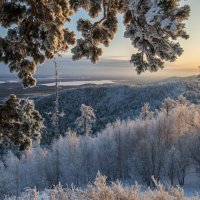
77 83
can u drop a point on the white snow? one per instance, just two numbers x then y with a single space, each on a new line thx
153 12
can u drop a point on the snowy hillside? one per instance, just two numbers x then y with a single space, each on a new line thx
163 143
109 103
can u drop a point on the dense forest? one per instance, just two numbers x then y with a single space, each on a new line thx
163 143
110 103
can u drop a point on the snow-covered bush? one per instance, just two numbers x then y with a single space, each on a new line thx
100 190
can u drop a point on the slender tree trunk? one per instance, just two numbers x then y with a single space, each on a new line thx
56 100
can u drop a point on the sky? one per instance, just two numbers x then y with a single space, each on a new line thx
186 65
115 59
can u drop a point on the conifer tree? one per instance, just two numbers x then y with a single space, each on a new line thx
20 124
36 31
85 121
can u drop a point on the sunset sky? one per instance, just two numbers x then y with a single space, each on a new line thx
189 61
187 64
115 59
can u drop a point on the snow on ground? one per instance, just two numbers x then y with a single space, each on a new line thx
192 184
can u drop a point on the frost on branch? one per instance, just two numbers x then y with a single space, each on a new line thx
85 121
146 113
35 32
100 32
20 124
152 26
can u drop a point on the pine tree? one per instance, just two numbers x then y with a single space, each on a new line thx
152 27
20 124
36 31
85 121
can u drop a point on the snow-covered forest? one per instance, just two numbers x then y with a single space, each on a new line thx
110 103
79 143
164 144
